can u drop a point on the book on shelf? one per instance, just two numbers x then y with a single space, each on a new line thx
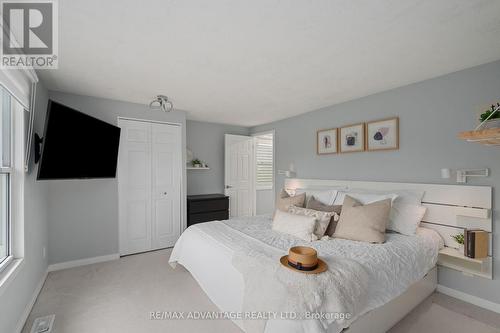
475 243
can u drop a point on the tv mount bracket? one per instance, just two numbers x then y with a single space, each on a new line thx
38 147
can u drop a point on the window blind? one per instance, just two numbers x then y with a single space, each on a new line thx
264 159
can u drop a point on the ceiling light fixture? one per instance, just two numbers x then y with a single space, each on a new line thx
161 102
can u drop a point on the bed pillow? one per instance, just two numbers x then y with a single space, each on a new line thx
432 234
365 197
366 223
312 203
403 196
296 225
405 218
322 218
285 200
324 196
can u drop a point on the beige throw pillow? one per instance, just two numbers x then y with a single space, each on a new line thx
285 200
312 203
363 223
296 225
322 218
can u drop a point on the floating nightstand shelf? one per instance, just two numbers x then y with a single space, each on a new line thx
488 137
199 168
454 259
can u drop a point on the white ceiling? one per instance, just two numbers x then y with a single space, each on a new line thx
255 61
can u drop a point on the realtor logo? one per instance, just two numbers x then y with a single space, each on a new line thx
29 36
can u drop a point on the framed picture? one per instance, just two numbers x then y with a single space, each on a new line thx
383 134
352 138
326 141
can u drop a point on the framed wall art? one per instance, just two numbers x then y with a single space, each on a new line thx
326 141
382 134
352 138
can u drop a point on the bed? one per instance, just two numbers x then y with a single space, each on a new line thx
383 282
207 251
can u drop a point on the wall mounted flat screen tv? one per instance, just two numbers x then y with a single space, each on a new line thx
76 145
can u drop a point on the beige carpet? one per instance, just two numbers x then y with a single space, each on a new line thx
118 296
432 317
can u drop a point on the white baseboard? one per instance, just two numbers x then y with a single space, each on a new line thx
29 306
82 262
481 302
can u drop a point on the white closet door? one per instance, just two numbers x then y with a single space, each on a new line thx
149 185
166 175
134 186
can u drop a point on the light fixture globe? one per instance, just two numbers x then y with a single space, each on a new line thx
161 102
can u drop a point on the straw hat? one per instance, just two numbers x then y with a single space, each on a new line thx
303 259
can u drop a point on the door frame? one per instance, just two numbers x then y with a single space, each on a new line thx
252 168
183 212
273 132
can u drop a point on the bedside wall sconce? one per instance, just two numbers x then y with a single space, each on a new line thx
446 173
290 173
462 174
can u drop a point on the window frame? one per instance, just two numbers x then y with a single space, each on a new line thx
15 181
5 262
255 136
9 257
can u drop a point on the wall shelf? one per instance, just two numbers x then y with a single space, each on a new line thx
488 137
454 259
194 168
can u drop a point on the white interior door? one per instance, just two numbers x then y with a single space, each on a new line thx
149 185
166 185
134 186
239 175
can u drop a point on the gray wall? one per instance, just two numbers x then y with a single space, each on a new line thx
264 201
20 291
83 214
431 113
206 141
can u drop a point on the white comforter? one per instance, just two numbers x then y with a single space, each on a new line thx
361 276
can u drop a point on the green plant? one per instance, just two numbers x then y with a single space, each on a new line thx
195 162
487 113
459 238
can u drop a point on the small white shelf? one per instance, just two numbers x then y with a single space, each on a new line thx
454 259
194 168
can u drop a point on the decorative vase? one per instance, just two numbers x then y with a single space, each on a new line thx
461 248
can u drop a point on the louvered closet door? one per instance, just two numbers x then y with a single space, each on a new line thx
149 185
134 186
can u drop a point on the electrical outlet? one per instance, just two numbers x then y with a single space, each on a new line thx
43 324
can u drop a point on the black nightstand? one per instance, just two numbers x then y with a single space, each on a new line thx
207 207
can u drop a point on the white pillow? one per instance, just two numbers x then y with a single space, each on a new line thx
432 234
364 198
404 196
322 218
405 218
409 196
324 196
296 225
